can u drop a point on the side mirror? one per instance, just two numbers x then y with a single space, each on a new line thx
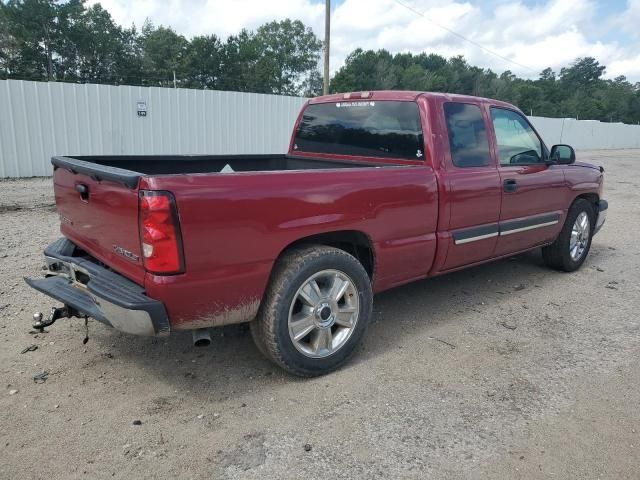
562 154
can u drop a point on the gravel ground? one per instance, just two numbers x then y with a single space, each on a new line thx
508 370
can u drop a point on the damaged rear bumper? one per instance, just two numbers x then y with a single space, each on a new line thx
100 293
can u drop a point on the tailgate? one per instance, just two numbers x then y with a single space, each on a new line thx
101 217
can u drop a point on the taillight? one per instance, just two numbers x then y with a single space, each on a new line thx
160 237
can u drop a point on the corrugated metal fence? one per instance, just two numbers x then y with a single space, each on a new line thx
587 134
40 119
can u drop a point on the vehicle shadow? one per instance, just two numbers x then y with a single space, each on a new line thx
232 366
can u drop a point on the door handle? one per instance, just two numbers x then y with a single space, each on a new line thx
510 185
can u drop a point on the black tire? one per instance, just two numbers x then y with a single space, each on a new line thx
254 328
270 330
557 255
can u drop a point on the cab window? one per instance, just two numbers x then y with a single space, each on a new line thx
468 141
517 143
385 129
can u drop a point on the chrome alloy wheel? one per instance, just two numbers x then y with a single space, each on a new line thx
323 314
579 236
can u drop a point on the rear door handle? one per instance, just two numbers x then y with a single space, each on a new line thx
510 185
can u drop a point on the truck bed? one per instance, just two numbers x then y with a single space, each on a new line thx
233 225
127 169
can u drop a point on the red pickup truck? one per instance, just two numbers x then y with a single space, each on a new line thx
378 189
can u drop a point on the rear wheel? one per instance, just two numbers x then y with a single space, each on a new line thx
315 312
571 247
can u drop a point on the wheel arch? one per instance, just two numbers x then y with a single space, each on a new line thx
354 242
591 197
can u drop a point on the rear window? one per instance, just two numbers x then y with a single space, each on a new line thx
468 139
368 128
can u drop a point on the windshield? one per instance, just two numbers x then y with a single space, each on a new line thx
384 129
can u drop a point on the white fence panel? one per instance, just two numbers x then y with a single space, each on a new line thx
41 119
587 134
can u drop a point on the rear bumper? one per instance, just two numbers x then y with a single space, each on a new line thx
603 206
100 293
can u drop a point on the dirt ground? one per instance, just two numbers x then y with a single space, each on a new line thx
504 371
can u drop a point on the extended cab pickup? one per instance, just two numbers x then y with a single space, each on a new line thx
378 189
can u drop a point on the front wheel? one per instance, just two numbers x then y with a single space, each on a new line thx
315 312
571 247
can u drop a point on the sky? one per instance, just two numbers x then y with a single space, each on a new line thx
531 35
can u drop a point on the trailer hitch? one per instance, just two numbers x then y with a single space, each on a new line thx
56 313
61 312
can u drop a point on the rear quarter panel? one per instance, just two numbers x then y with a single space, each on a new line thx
234 226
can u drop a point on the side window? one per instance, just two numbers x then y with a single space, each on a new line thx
468 140
517 143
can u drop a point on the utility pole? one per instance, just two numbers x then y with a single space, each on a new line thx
327 34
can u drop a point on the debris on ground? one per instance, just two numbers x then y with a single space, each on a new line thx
30 348
307 447
137 422
13 392
519 287
443 341
41 377
508 325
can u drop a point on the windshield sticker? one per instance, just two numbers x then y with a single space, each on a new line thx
419 154
355 104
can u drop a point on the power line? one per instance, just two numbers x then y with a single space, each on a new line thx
472 42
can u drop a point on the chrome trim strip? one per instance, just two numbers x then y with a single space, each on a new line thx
507 227
475 239
530 227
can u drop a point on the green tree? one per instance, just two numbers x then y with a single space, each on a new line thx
8 47
313 85
128 68
288 53
584 74
239 64
92 44
33 30
163 55
203 62
280 57
366 70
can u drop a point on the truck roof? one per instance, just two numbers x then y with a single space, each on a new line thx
403 95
